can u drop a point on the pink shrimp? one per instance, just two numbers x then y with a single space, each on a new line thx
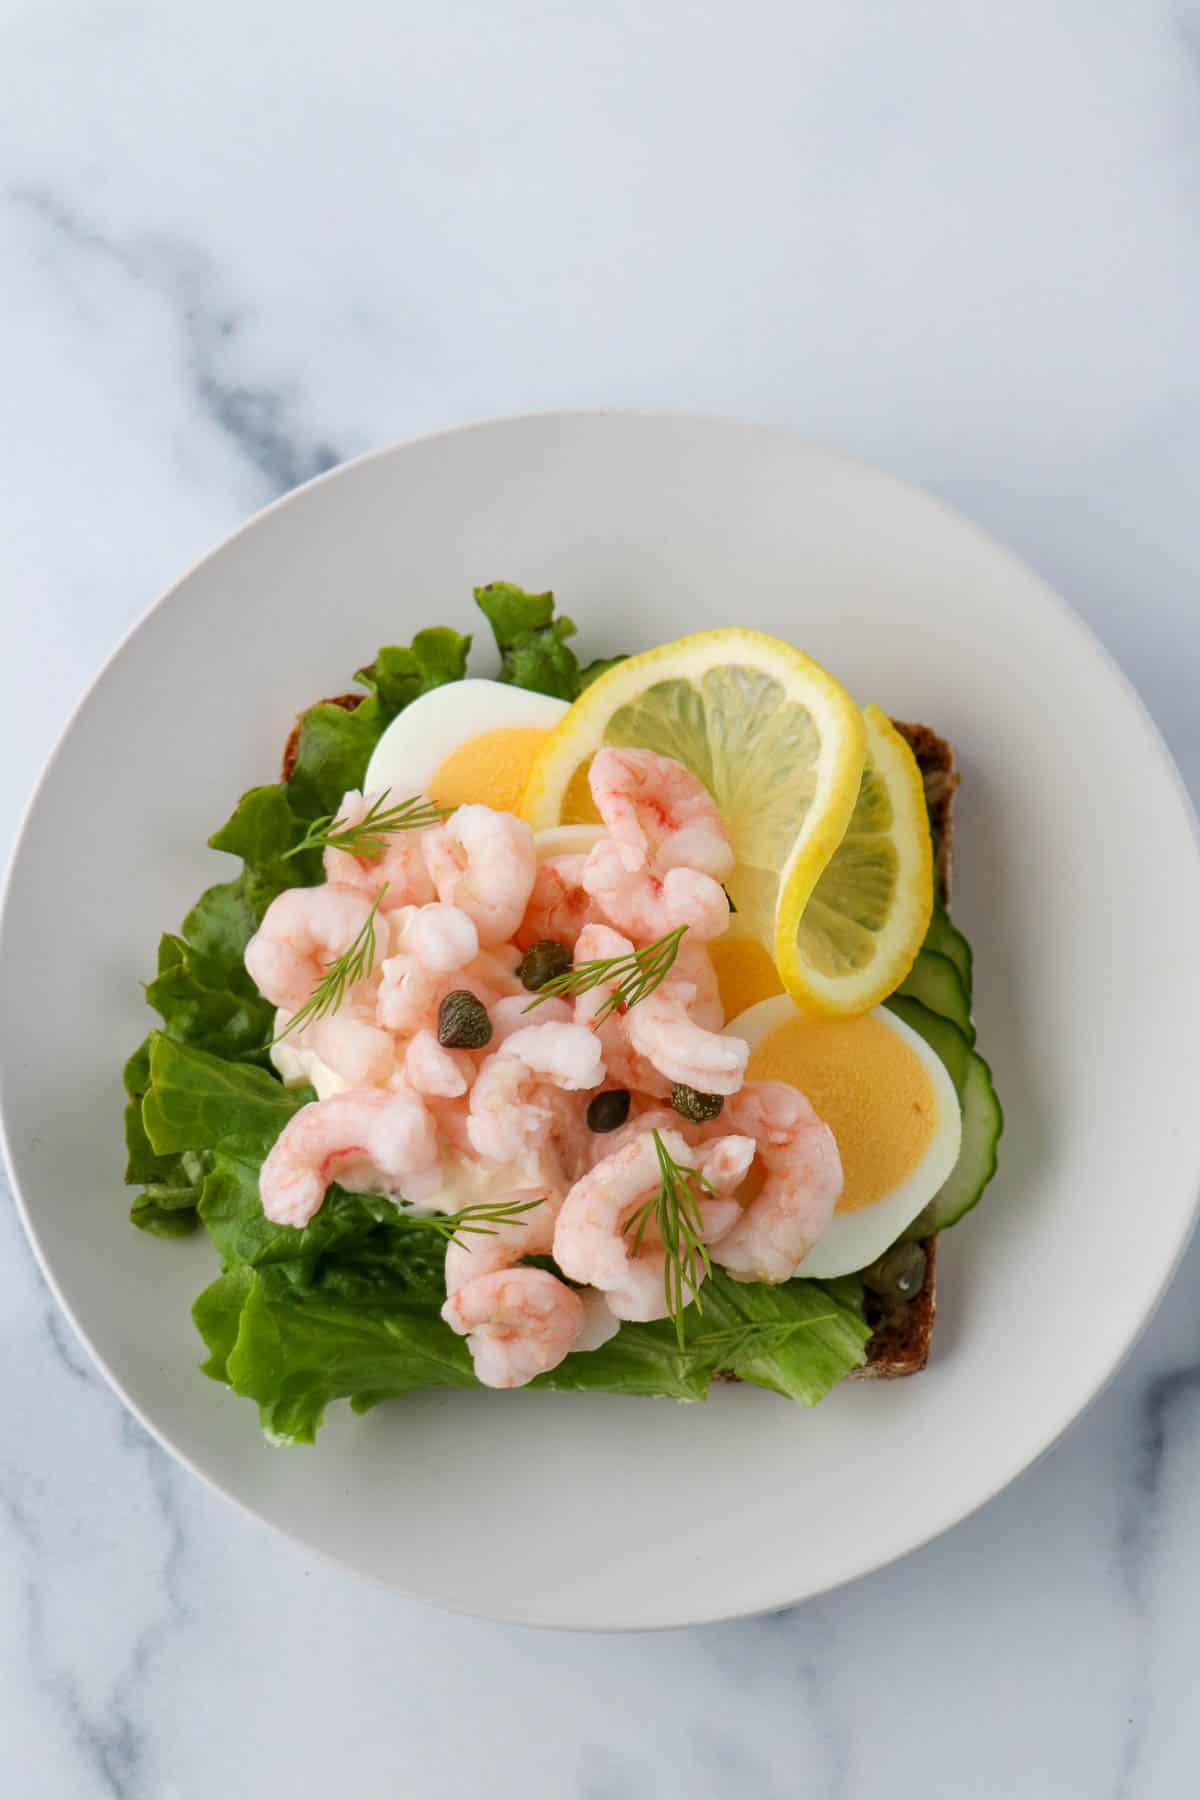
303 930
442 938
642 1119
803 1178
591 1240
511 1109
559 905
623 1066
497 967
568 1056
512 1014
350 1043
370 1140
600 1322
519 1323
571 1137
401 863
506 1241
646 904
693 963
507 1114
432 1070
660 815
484 862
450 1116
410 994
661 1028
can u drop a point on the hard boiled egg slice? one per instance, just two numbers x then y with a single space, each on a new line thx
470 741
890 1104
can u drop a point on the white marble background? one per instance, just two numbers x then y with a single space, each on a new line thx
243 240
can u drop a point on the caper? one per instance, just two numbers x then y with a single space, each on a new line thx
608 1110
694 1105
542 962
463 1022
899 1274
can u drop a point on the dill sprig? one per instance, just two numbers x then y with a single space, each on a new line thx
354 964
675 1210
369 837
475 1221
634 975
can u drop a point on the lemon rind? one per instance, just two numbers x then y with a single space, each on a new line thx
844 996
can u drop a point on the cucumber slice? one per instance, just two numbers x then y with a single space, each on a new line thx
935 982
940 1033
945 937
982 1123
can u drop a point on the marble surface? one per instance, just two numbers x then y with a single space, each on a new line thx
244 241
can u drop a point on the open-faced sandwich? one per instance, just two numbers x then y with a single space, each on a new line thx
588 1029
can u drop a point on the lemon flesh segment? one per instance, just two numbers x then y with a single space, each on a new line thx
845 943
776 740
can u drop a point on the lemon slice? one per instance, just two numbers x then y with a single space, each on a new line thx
851 939
778 743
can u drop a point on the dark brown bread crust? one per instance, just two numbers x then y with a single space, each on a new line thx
903 1337
901 1342
939 772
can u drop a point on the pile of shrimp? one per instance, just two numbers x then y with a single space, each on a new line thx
398 1114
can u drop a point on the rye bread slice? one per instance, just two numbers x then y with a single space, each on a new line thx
901 1342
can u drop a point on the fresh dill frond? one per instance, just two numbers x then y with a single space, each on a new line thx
675 1209
475 1221
354 964
634 975
369 837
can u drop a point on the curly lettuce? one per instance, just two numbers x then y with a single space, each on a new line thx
349 1307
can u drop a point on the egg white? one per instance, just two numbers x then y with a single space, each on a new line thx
418 740
854 1239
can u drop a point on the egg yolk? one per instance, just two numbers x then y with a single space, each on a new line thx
746 973
490 769
870 1088
578 807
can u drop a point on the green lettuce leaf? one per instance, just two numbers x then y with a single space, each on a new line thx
230 1208
170 1185
600 665
198 1101
531 641
367 1333
334 745
294 1354
203 1002
218 1315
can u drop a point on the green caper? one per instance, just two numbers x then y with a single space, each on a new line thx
608 1110
463 1022
899 1274
542 962
694 1105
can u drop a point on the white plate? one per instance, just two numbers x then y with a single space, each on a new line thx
1077 878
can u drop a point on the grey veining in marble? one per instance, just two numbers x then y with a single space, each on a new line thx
240 243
